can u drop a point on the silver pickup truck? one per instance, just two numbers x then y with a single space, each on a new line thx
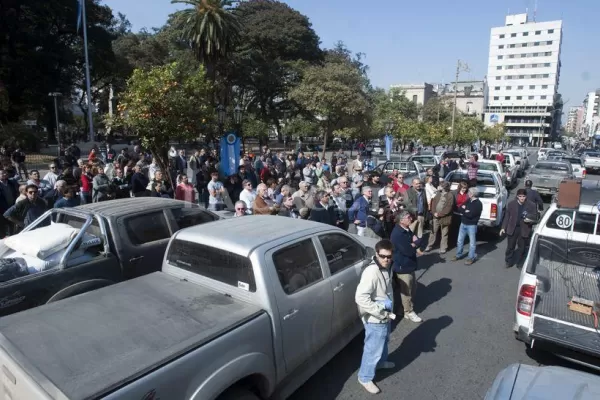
245 308
546 176
591 161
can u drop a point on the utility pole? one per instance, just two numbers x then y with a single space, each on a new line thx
56 95
460 66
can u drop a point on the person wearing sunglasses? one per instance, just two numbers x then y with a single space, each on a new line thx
25 212
240 209
375 299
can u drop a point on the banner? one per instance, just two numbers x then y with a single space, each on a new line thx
230 155
388 147
79 14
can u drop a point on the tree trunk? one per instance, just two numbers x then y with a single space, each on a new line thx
159 153
324 144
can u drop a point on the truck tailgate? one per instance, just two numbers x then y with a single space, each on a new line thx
566 269
89 345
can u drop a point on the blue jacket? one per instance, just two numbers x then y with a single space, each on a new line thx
359 211
139 182
405 255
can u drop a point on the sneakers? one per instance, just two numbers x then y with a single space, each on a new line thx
470 261
386 365
370 387
456 258
427 249
413 317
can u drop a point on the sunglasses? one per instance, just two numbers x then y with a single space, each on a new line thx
32 191
385 256
240 209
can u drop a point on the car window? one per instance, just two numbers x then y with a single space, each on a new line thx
341 251
213 263
584 223
186 217
147 228
297 266
561 219
482 180
488 167
552 168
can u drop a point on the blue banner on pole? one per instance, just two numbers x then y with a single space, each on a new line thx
79 14
388 147
230 154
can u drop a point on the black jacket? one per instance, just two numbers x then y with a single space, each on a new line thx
404 255
534 197
471 213
325 216
139 182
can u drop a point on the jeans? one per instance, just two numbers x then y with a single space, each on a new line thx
360 230
375 350
86 197
463 231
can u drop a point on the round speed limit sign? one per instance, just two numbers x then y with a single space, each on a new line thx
564 221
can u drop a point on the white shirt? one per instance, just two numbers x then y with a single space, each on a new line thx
381 192
51 178
248 197
430 191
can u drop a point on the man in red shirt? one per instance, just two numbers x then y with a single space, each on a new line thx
500 156
399 185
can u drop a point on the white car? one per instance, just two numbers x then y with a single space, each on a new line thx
542 153
559 277
511 168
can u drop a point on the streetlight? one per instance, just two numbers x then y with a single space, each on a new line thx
460 66
237 118
56 95
286 117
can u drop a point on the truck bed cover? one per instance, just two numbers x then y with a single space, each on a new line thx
91 344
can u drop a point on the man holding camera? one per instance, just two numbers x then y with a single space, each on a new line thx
521 215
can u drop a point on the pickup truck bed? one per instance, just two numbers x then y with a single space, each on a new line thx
117 334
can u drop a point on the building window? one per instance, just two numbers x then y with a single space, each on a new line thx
546 76
512 46
500 57
499 67
519 87
511 56
531 97
536 44
507 98
524 45
497 78
501 36
496 98
531 86
538 32
548 53
501 46
544 86
521 76
415 99
519 97
508 87
534 65
513 35
535 54
549 42
522 66
496 87
525 33
546 64
543 97
509 66
550 30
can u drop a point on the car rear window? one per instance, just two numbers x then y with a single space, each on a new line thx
592 154
573 160
214 263
487 167
562 168
482 180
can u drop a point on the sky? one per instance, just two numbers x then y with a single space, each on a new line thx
420 41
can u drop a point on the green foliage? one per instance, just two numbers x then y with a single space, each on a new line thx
437 110
165 103
435 134
467 130
494 134
255 127
302 126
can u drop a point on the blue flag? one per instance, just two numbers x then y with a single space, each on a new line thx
388 147
79 13
230 155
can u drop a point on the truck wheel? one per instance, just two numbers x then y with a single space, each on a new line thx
238 393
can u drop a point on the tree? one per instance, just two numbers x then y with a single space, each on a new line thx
276 41
212 27
435 134
165 103
467 130
493 134
437 109
396 108
335 94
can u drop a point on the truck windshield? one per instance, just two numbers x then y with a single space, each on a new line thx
218 264
562 169
482 180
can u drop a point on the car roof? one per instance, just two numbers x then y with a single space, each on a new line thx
120 207
252 231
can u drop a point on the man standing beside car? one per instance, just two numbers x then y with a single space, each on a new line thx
375 299
520 216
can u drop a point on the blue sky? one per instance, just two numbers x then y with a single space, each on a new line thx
420 41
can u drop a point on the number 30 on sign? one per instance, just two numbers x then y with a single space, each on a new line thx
564 221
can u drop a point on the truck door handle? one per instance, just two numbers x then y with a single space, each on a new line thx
133 259
290 315
339 287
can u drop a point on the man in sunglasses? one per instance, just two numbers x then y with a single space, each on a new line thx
375 299
25 212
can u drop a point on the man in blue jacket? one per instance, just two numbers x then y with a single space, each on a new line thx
406 249
359 211
470 214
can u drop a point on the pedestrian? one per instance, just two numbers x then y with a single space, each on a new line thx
416 203
517 224
359 211
68 199
185 190
240 209
472 169
25 212
248 195
262 205
139 182
533 195
406 248
470 213
375 299
216 192
442 206
86 184
51 177
322 211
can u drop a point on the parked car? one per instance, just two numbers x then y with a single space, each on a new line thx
521 157
107 242
545 176
560 272
410 169
493 165
231 316
579 171
541 154
520 381
591 161
492 194
426 160
511 168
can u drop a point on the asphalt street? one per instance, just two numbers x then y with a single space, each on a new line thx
465 338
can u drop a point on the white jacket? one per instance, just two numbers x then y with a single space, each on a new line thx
375 285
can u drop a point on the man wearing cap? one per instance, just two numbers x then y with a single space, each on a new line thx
517 224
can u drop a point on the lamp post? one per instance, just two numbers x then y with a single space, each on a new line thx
460 66
286 118
56 95
237 119
389 126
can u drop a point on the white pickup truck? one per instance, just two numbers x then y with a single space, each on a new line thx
237 313
492 193
591 162
511 168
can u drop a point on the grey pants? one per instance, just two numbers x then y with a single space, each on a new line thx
408 289
445 229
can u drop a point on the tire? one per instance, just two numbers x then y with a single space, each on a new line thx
238 393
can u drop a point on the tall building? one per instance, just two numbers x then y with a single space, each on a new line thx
591 113
523 77
574 120
471 96
419 93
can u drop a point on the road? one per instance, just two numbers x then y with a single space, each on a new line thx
466 337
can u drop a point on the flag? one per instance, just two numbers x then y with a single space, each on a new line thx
388 147
79 13
230 154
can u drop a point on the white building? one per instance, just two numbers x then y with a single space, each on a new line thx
591 113
418 93
574 120
523 77
471 97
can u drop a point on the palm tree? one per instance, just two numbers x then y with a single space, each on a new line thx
212 27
